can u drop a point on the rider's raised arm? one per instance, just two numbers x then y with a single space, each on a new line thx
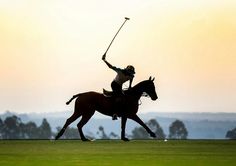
109 65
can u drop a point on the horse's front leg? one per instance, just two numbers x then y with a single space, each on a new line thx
123 124
139 121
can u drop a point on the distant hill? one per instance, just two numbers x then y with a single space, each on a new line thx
199 125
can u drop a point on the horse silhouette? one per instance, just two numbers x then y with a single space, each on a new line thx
87 103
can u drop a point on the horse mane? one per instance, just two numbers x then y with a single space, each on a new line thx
138 88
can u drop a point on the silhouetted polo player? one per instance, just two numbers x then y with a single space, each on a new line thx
123 75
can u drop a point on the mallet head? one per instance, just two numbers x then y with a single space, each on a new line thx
127 18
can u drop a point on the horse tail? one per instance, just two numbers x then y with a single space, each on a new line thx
75 96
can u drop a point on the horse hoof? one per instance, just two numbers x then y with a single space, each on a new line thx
125 139
85 139
153 135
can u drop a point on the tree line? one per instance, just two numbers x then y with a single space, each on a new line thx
13 128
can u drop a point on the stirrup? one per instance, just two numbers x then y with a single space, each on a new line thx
114 117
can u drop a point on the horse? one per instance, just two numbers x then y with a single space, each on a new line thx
87 103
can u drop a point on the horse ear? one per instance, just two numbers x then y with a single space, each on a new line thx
151 79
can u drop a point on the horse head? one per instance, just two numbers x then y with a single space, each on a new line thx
150 88
146 87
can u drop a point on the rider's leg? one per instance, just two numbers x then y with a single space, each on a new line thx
117 90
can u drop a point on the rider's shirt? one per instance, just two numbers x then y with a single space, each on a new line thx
122 76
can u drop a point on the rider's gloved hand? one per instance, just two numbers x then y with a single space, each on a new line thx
104 57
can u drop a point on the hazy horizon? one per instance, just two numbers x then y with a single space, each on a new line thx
139 112
51 50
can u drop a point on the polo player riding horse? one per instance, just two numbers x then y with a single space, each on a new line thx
87 103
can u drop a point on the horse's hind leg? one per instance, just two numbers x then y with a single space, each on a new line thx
83 121
68 122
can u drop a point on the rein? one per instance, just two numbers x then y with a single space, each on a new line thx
143 95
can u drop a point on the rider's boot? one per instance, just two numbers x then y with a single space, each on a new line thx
118 105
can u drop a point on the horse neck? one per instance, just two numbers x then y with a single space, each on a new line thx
138 90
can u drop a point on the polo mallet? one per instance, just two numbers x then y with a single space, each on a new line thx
104 55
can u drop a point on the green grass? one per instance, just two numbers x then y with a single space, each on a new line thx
115 152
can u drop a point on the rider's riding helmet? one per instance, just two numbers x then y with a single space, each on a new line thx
130 69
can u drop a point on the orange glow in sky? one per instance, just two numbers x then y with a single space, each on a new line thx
51 50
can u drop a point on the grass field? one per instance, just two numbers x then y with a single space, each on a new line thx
115 152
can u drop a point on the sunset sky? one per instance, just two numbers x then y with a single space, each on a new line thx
51 50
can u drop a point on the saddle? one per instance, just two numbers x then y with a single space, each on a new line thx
120 100
107 93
